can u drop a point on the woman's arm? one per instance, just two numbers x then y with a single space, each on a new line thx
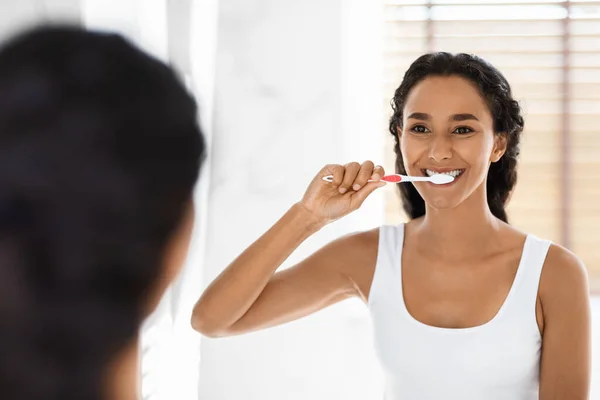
566 343
249 295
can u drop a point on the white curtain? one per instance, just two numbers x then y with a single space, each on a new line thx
14 15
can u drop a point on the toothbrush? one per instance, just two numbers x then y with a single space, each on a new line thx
438 179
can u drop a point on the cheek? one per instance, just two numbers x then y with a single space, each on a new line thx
475 151
411 151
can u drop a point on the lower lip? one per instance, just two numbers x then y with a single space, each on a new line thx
446 184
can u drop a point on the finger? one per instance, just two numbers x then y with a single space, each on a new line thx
335 170
351 170
364 174
359 197
378 173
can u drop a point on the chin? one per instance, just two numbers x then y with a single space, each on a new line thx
442 200
441 203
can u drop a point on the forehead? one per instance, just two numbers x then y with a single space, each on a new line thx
441 96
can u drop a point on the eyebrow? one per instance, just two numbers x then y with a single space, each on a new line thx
455 117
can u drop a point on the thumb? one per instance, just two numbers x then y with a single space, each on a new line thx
359 197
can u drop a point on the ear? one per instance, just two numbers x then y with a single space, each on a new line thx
500 143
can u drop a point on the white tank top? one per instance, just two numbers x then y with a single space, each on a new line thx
498 360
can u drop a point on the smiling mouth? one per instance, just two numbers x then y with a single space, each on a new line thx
453 173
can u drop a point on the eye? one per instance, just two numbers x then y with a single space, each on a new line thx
463 130
419 129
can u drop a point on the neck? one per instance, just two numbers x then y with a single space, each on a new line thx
123 374
462 230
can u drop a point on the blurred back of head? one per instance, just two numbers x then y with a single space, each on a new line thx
100 150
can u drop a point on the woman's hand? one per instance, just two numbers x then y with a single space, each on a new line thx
329 201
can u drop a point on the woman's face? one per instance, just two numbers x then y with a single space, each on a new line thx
448 128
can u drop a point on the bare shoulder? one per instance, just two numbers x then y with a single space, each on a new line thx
356 256
564 278
565 300
361 241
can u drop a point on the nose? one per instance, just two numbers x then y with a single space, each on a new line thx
440 148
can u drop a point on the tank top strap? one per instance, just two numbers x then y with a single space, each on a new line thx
386 278
524 298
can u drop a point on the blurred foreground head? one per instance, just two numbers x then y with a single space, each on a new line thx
100 150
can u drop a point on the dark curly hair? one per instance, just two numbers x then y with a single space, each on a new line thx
100 150
506 114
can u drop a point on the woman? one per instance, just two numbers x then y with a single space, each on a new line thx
99 154
464 305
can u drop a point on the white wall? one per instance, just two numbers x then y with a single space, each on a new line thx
287 103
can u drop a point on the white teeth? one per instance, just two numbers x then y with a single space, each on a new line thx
454 173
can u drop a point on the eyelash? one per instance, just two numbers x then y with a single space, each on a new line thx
470 130
464 127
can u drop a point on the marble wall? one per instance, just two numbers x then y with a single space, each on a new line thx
296 87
